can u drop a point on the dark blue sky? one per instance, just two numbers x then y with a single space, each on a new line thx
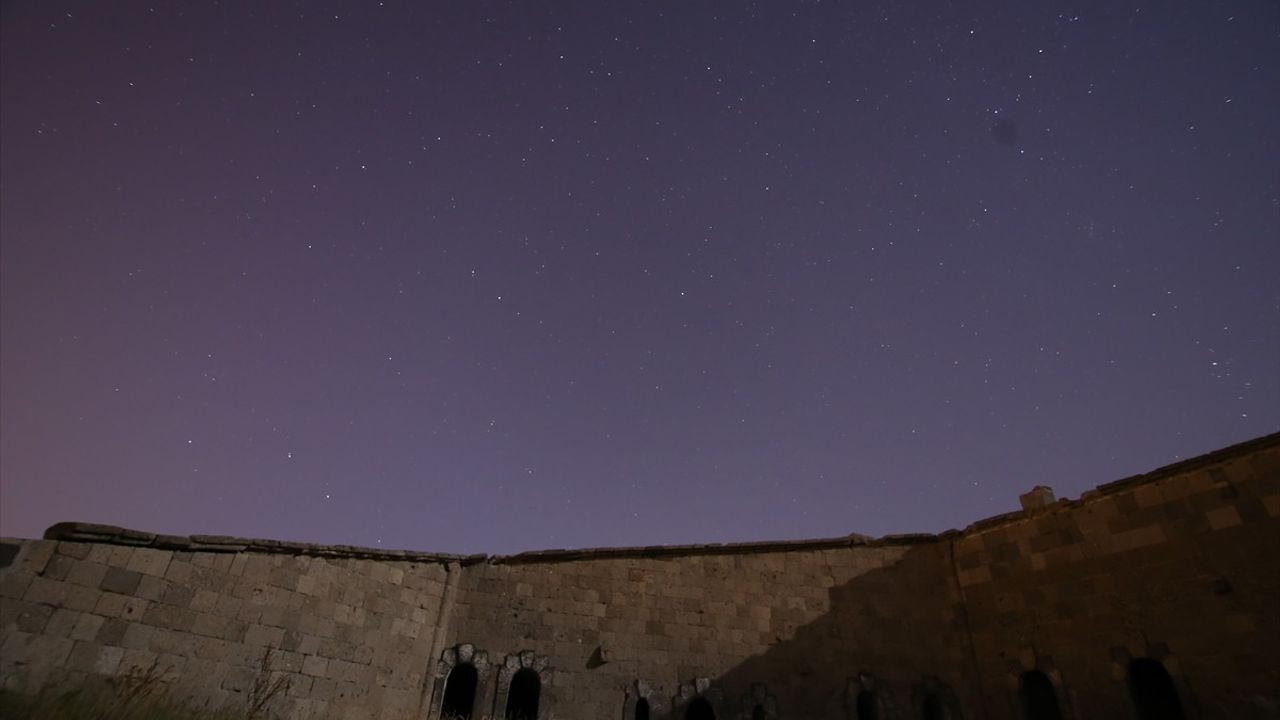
483 276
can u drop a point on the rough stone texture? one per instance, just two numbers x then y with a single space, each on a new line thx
1181 565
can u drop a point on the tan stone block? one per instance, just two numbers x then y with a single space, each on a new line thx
87 574
1272 504
35 555
137 660
84 599
264 636
137 636
204 601
61 622
46 591
99 553
108 660
14 585
210 625
151 587
120 556
87 627
47 650
315 666
1224 517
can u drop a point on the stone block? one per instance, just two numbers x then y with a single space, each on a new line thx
81 598
264 636
61 623
14 585
34 556
137 636
1224 517
150 561
119 580
120 556
47 650
46 591
210 625
315 666
58 566
151 587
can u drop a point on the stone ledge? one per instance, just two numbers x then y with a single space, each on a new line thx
112 535
92 532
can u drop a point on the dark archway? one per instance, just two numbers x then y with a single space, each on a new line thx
642 709
522 697
699 709
867 707
459 692
757 712
932 708
1154 695
1039 700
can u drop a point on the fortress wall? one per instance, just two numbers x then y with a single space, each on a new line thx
353 636
797 620
1182 566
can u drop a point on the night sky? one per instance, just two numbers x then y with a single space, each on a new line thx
489 276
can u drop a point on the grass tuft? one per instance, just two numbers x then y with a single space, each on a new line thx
141 694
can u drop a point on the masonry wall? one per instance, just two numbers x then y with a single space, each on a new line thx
1182 566
616 629
353 636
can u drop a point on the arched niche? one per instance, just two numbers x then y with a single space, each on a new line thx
1152 679
642 696
518 678
694 700
1037 697
1152 691
932 699
459 658
867 698
758 704
1036 687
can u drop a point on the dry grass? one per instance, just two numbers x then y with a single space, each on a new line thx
141 694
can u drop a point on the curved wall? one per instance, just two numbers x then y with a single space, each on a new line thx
1180 566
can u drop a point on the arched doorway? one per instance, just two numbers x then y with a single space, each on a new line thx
699 709
460 692
931 708
757 712
522 697
867 707
1154 695
1039 700
642 709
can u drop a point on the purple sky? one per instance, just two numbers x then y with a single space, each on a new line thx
483 277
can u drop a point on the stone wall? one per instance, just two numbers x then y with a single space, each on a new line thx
1181 566
353 635
658 625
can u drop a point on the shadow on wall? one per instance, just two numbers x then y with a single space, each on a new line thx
892 645
895 645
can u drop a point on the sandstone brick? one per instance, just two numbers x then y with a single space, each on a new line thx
1224 517
34 556
315 666
262 635
14 585
61 623
150 561
46 591
118 580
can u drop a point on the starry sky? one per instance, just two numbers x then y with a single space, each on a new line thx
490 276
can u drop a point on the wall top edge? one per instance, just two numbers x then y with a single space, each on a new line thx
110 534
